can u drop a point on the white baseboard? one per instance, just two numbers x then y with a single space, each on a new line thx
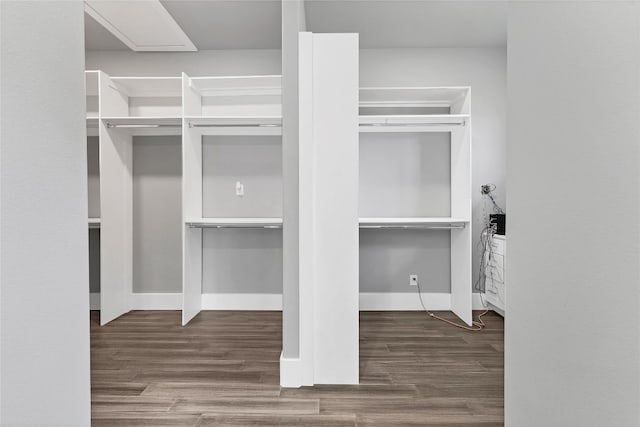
408 301
290 372
156 301
369 301
242 302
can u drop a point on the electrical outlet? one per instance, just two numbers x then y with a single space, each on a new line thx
239 189
413 280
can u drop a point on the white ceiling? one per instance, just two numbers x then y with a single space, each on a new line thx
256 24
412 23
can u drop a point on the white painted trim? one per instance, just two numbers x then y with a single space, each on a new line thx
383 301
156 301
291 372
242 301
409 301
369 301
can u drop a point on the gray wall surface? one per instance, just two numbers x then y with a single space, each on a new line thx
94 260
388 257
44 324
93 184
405 174
157 214
243 62
572 337
242 261
256 162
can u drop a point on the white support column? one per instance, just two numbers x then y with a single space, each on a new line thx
329 321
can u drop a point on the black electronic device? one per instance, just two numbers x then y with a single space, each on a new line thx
497 221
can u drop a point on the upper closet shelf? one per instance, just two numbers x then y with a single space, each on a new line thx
454 98
234 223
416 222
238 96
94 222
237 85
148 87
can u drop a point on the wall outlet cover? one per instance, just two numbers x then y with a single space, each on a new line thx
239 189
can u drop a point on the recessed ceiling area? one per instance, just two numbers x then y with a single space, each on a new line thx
229 24
209 24
144 26
412 23
256 24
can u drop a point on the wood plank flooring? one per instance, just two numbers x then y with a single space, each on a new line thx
222 370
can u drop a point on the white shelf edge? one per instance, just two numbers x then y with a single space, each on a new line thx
412 220
414 88
416 222
265 76
177 78
234 222
416 119
94 222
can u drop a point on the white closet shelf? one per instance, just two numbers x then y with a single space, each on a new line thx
237 85
148 86
222 121
234 222
413 222
412 96
94 222
371 122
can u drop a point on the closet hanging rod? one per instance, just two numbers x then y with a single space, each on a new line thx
415 227
142 126
227 125
198 225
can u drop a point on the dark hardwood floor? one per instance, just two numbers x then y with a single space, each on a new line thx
222 369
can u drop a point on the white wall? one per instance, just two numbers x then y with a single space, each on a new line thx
43 173
244 62
572 349
485 71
